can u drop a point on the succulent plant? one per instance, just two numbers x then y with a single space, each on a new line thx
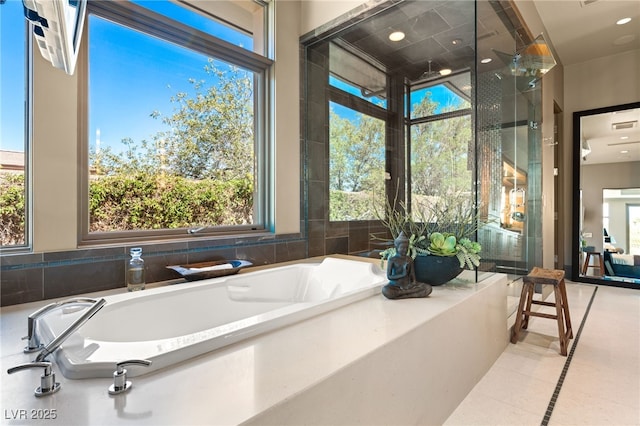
441 228
446 245
441 244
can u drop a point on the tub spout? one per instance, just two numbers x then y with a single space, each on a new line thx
196 230
55 343
33 343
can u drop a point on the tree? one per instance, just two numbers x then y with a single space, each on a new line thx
210 136
439 152
199 172
356 166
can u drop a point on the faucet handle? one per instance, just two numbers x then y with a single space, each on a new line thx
120 382
48 384
33 345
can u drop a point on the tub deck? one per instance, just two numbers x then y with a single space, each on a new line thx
171 324
372 362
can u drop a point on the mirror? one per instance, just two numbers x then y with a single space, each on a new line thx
606 204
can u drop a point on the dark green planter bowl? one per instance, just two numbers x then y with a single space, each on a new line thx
436 270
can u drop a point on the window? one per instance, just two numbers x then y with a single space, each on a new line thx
14 135
357 135
356 164
175 121
440 137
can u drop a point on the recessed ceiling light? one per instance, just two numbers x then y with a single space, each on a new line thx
445 71
486 60
624 137
456 41
623 21
624 151
396 36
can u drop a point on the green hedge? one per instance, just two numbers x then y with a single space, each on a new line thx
344 205
12 209
151 201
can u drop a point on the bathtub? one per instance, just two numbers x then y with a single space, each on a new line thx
171 324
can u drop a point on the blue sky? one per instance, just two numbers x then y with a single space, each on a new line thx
12 76
440 94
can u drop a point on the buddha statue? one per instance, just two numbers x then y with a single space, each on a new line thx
402 278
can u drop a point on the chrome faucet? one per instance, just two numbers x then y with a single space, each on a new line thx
33 343
55 343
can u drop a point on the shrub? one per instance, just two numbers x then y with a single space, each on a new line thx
154 201
12 209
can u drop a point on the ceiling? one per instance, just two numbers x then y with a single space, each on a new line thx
437 34
581 30
611 137
584 30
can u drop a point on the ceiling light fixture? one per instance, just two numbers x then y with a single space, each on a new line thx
456 41
445 71
396 36
624 137
623 21
486 60
624 151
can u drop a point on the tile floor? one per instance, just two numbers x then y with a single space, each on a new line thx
601 381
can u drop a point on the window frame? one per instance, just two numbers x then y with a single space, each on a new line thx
153 24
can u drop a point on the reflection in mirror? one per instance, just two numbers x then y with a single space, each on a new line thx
607 195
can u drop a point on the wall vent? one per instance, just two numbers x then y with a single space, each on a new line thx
487 35
585 3
622 125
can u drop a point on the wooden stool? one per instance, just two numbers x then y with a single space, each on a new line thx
586 262
544 276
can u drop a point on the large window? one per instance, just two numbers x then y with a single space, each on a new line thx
440 137
357 136
176 119
14 135
356 164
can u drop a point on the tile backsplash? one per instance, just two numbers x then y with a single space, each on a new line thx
38 276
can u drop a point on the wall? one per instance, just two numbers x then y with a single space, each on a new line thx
316 13
287 119
54 158
595 178
602 82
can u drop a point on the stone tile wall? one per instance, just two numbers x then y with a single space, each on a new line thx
38 276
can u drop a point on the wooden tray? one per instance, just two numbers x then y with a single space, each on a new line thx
212 269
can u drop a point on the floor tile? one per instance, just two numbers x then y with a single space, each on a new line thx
599 381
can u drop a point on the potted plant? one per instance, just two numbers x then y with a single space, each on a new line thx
440 231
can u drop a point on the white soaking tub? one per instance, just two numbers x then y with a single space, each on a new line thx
170 324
